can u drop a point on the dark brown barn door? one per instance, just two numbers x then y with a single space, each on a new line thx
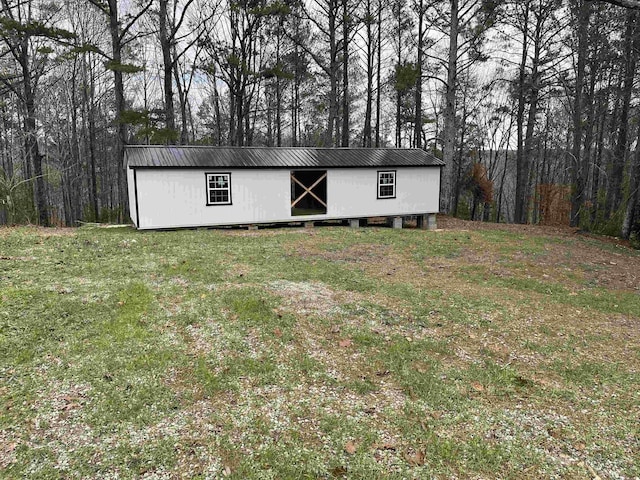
308 192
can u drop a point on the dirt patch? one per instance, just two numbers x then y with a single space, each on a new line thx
451 223
58 424
271 231
308 298
361 253
595 265
203 338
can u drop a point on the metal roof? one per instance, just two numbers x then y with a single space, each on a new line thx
144 156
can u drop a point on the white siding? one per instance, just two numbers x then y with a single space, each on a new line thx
170 198
354 192
132 196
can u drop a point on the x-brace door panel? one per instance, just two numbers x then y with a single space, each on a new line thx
308 192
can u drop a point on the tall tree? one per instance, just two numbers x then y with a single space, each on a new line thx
379 73
326 16
449 128
234 51
120 34
346 41
536 22
417 133
630 64
174 44
471 19
579 171
369 20
26 32
632 214
404 75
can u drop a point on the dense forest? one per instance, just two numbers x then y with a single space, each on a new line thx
532 104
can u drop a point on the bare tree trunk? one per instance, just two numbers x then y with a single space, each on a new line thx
449 129
121 141
590 130
531 123
239 129
398 119
183 100
457 166
88 92
366 134
231 137
345 75
334 67
167 77
614 193
398 92
330 140
216 110
7 158
32 150
417 134
73 170
579 181
248 129
294 111
268 98
278 93
595 185
522 167
504 171
633 207
378 73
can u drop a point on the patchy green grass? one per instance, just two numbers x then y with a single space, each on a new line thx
499 352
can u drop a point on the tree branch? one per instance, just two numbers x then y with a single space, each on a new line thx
634 4
128 26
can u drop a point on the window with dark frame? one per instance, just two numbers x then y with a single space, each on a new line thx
218 188
387 184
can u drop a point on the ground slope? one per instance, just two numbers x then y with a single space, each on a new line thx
472 352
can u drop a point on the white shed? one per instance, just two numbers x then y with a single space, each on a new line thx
188 186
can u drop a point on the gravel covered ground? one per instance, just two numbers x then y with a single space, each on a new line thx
475 351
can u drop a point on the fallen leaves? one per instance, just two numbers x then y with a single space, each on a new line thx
555 433
70 406
415 459
350 447
339 472
593 472
345 343
384 446
70 403
420 367
477 386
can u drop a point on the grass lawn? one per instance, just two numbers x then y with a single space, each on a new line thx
470 352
